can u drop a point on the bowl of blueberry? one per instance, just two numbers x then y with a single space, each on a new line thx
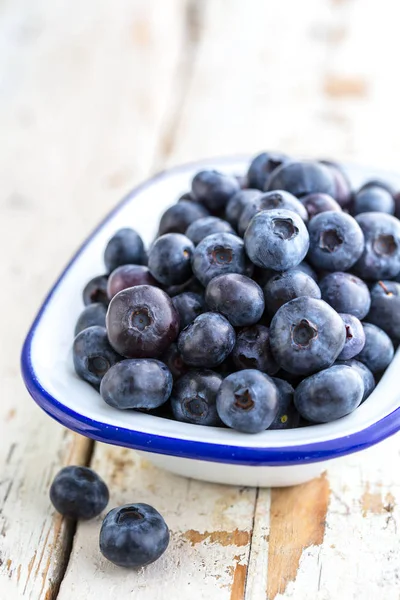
235 320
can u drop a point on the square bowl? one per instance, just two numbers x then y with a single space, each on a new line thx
270 458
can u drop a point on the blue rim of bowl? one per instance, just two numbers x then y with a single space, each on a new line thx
214 452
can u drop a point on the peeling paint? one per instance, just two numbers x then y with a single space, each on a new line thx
224 538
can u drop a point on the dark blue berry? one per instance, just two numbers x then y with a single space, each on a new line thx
201 228
248 401
276 239
192 285
277 199
178 217
336 241
127 276
238 298
381 256
93 355
366 375
214 189
170 259
287 416
133 535
208 341
238 203
373 199
262 166
378 183
193 398
93 314
305 267
188 306
385 308
78 493
378 350
137 383
318 203
174 361
125 247
219 254
342 193
355 337
329 394
253 351
302 178
283 287
142 322
96 291
346 293
306 335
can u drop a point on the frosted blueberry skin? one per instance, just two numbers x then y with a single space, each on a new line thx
219 254
133 535
194 396
318 203
380 258
253 350
127 276
262 166
125 247
373 199
188 306
214 189
78 493
248 401
201 228
346 293
93 314
343 193
96 291
303 177
208 341
385 308
142 322
329 394
378 349
177 218
277 199
172 358
287 416
238 203
238 298
283 287
306 335
276 239
366 375
93 355
170 258
355 337
336 241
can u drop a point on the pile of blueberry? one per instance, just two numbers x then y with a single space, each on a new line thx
268 301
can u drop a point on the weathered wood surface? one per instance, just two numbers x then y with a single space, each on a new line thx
93 97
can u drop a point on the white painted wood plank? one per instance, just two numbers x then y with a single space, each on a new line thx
84 89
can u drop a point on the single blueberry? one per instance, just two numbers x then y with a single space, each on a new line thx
96 291
306 335
170 259
248 401
385 308
253 351
188 306
174 361
378 350
193 398
219 254
133 535
93 355
238 203
318 203
342 193
381 256
238 298
262 166
93 314
78 493
355 337
287 416
127 276
214 189
329 394
346 293
378 183
276 239
201 228
373 199
366 375
308 270
303 177
142 322
137 383
283 287
336 241
208 341
177 218
278 199
125 247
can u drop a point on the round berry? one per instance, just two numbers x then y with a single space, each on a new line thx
385 308
125 247
355 337
283 287
278 199
78 493
188 306
302 178
238 298
127 276
208 341
178 217
219 254
381 256
193 398
93 314
201 228
95 291
287 416
346 293
262 166
238 203
378 349
214 189
170 259
253 351
93 355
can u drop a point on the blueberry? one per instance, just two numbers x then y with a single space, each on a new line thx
125 247
93 314
191 285
178 217
127 276
306 335
170 259
142 322
78 493
174 361
214 189
346 293
385 308
378 183
276 239
305 267
93 355
188 306
208 341
287 416
262 166
96 291
201 228
277 199
194 397
219 254
187 196
373 199
238 203
366 375
342 194
381 256
253 351
329 394
318 203
283 287
248 401
133 535
302 178
378 350
136 383
355 337
238 298
336 241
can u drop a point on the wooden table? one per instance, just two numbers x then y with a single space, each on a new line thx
94 97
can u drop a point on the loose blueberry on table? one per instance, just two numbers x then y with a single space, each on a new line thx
283 270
